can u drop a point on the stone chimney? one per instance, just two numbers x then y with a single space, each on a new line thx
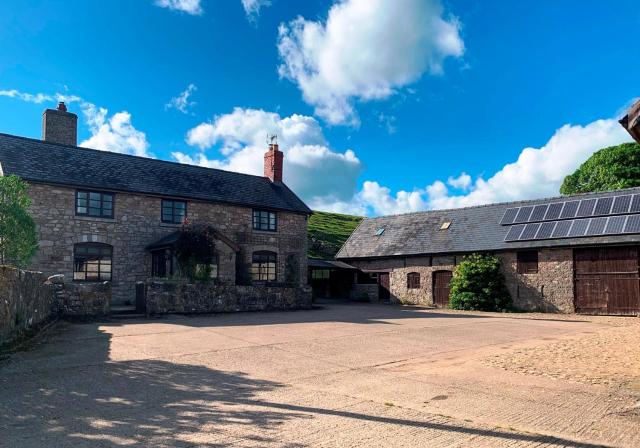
273 160
60 126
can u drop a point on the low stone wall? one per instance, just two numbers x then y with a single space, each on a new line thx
80 299
365 292
179 297
26 301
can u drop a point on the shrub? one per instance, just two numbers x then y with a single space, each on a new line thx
478 284
194 250
18 240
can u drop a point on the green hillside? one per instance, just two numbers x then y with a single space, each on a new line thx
328 231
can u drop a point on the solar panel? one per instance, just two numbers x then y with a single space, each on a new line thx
633 224
621 204
509 216
615 224
562 229
546 229
538 212
553 212
569 210
596 226
603 207
635 203
579 228
514 232
530 231
586 207
523 214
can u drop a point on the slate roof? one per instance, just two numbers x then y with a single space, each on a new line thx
329 264
473 229
44 162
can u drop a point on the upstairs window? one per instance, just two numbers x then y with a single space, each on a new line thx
174 212
413 280
92 262
528 262
263 266
264 220
94 203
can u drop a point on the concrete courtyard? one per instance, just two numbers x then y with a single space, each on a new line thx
345 375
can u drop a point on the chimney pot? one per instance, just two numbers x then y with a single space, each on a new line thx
60 126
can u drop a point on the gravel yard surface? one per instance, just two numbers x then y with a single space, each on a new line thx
347 375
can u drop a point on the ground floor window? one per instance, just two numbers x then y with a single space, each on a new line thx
528 262
263 266
367 278
92 262
413 280
162 263
320 274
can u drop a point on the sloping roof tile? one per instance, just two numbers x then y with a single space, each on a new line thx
38 161
473 229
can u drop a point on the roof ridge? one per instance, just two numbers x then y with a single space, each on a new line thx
119 154
495 204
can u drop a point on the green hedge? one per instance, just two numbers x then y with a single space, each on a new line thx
478 284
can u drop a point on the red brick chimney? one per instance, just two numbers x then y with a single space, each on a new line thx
273 160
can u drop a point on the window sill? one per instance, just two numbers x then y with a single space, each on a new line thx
169 224
266 232
94 219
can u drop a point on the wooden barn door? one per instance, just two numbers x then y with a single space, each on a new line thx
441 281
606 280
383 287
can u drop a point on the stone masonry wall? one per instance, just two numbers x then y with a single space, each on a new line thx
137 223
180 297
80 299
550 290
26 301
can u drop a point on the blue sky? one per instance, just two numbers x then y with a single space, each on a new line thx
381 106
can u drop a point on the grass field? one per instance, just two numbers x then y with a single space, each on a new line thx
328 232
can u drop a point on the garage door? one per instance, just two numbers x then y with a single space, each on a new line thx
606 280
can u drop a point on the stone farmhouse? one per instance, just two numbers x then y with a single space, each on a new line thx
565 254
103 216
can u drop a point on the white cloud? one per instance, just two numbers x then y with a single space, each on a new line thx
537 173
462 182
181 102
252 8
365 50
311 168
115 133
192 7
37 98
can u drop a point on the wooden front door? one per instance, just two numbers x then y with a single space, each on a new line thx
606 281
441 282
383 287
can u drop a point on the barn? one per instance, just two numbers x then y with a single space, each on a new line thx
569 254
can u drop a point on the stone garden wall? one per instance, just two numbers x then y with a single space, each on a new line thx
26 301
179 297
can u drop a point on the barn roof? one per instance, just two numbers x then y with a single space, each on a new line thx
51 163
471 229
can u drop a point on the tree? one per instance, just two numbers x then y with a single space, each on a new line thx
194 251
478 284
610 168
18 241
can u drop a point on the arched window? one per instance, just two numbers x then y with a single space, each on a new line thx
92 262
413 280
263 266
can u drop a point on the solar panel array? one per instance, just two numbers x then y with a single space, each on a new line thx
585 208
613 215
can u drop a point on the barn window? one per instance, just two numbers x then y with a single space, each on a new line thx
413 280
528 262
92 262
263 266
